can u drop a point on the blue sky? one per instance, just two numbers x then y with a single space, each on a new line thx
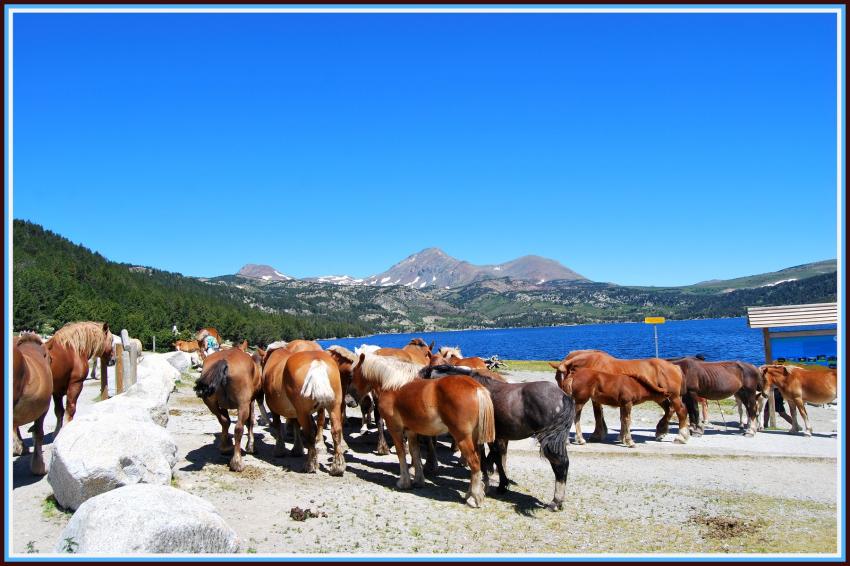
639 149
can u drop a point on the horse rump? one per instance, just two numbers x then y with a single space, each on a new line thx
212 380
555 436
486 430
317 384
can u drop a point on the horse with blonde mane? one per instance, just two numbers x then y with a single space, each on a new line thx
413 406
298 384
70 350
231 380
453 356
32 386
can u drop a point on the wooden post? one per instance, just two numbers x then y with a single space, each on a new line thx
154 343
768 359
133 358
119 368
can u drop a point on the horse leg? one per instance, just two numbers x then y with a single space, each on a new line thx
413 444
75 387
498 454
664 424
751 405
682 415
692 406
297 446
601 430
560 467
280 425
579 438
626 424
475 495
382 449
225 445
37 462
320 432
18 443
249 445
338 466
59 411
798 404
308 437
404 473
431 463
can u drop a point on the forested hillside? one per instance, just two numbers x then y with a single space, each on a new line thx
56 281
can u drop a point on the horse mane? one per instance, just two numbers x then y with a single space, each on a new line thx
29 337
84 337
366 349
389 373
344 352
449 351
417 342
276 345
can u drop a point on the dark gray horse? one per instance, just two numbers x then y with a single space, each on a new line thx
522 410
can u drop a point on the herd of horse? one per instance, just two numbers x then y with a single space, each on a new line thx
415 393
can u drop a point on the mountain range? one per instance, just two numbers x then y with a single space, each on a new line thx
432 267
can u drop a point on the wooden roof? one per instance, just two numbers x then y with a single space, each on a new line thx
792 315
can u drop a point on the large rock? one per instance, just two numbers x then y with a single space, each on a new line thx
147 519
95 455
159 364
181 361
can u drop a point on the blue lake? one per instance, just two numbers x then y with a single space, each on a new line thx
718 339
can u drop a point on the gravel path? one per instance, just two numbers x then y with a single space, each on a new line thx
719 493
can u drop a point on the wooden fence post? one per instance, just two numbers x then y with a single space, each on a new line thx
154 343
119 368
768 359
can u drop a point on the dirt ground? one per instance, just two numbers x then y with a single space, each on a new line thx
722 493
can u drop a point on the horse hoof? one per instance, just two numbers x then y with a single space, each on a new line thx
382 451
236 466
630 444
808 433
555 506
472 502
249 449
680 440
336 471
402 484
38 469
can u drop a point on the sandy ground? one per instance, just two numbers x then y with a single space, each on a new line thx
719 493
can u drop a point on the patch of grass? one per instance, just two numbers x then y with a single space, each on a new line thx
528 365
251 550
51 509
69 545
31 547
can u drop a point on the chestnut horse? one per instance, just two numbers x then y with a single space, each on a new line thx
186 346
453 356
70 350
661 373
455 404
231 380
798 385
32 387
201 338
720 380
415 351
614 390
534 408
298 384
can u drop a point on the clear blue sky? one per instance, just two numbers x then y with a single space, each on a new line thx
638 149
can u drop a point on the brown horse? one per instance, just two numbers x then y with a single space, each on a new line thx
720 380
298 384
661 373
454 357
70 350
415 351
798 385
455 404
32 386
186 346
231 380
614 390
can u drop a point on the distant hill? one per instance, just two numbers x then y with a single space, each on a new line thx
795 273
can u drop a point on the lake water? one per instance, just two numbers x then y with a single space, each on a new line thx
717 339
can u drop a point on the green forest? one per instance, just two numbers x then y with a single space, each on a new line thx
57 281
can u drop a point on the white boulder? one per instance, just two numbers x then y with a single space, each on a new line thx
147 519
181 361
95 455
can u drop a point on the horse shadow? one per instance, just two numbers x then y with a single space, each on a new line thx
21 474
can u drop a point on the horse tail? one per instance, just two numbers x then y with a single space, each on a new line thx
212 380
649 384
486 431
317 384
555 436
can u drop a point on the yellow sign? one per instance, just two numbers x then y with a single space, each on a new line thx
654 320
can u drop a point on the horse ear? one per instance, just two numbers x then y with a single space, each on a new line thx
362 357
106 327
431 346
556 365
